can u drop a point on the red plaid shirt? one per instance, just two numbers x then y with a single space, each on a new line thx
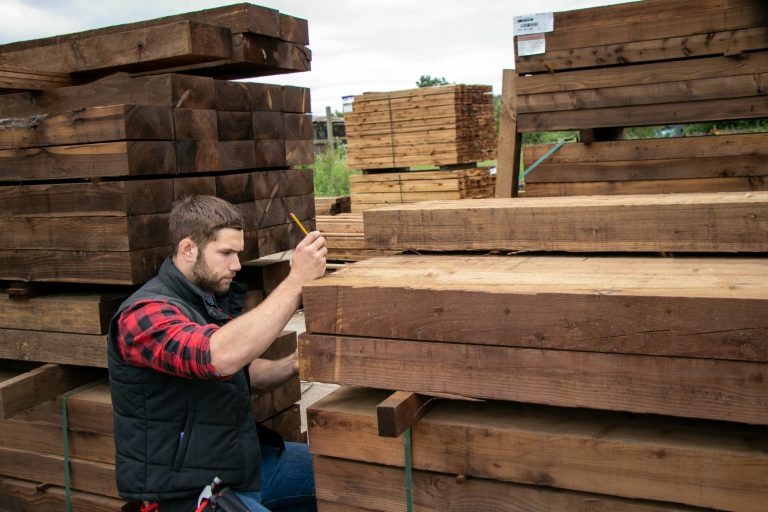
157 335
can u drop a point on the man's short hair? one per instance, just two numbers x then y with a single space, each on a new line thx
201 217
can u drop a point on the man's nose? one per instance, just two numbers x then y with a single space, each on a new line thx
235 264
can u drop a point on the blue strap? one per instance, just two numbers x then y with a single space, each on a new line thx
544 157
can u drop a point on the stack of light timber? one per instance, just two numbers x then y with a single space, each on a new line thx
345 237
649 63
444 125
88 173
375 190
627 381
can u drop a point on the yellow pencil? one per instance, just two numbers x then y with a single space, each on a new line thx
298 223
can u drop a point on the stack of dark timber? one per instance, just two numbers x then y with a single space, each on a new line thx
656 62
345 237
610 377
94 149
375 190
444 125
332 205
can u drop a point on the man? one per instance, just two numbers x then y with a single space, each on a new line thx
182 362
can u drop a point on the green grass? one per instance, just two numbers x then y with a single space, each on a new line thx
331 173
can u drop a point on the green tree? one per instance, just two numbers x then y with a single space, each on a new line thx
429 81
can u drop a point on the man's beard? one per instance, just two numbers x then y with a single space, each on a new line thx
206 279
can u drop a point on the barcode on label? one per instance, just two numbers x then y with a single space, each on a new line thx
533 23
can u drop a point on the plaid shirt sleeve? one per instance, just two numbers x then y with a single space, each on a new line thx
157 335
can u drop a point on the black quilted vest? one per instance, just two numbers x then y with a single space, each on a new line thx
173 435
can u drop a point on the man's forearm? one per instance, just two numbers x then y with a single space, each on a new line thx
245 338
266 375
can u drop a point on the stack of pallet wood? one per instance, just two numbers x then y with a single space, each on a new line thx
444 125
619 379
382 189
649 63
88 174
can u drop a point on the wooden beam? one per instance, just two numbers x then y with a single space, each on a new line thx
665 307
400 411
580 450
658 223
347 486
15 78
37 386
24 495
619 382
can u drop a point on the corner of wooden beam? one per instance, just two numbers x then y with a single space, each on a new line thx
400 411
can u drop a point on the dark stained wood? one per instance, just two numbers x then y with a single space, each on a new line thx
232 96
710 389
197 124
284 182
268 125
235 125
85 313
198 156
298 126
108 159
270 153
164 90
294 29
97 124
299 152
121 268
156 47
296 99
237 155
265 96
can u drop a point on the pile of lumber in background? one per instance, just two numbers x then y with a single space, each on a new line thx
650 63
332 205
623 377
95 146
382 189
345 237
444 125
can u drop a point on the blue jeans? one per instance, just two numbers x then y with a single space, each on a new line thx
287 481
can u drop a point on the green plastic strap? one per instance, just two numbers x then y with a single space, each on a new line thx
65 430
544 157
408 472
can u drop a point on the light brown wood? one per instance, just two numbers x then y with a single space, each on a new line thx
80 313
589 451
345 486
726 222
674 386
54 347
15 78
37 386
691 307
719 185
23 495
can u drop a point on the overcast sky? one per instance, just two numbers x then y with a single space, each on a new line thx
357 45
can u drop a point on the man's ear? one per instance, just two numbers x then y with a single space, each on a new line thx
187 250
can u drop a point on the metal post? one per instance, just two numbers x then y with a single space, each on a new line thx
329 127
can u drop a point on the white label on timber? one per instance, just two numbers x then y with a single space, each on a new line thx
534 23
530 45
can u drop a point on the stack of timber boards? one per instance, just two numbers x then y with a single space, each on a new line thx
650 63
374 190
345 237
624 381
442 125
236 41
31 442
